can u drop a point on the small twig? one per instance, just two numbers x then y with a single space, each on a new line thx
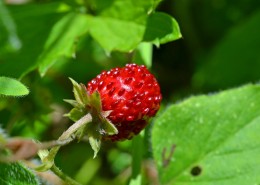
66 137
51 144
167 159
71 130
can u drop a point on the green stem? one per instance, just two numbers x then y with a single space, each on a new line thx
48 159
73 128
68 133
51 144
63 176
137 154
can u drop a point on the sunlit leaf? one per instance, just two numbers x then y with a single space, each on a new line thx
12 87
33 24
211 139
62 40
123 25
161 28
116 34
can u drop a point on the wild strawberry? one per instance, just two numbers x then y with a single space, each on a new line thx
132 94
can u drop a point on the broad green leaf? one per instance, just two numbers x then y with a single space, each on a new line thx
12 87
39 19
62 40
235 59
124 25
161 28
125 9
116 34
16 174
120 25
212 139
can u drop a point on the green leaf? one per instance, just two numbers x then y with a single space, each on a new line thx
119 25
12 39
235 59
210 139
16 174
29 16
116 34
12 87
62 40
143 54
126 21
161 28
125 10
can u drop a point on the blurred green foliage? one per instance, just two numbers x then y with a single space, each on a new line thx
43 42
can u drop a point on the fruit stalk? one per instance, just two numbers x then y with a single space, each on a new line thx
63 176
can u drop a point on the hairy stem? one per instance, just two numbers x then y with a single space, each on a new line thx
47 157
63 176
50 144
68 133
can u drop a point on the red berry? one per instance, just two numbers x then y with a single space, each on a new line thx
132 93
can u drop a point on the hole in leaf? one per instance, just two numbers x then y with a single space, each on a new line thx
196 170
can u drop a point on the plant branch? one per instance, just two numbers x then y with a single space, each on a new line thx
50 144
47 157
71 130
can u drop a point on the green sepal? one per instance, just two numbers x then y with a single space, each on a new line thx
75 114
95 101
107 125
74 103
83 104
80 93
100 117
95 142
46 163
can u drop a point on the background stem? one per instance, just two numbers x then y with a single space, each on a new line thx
137 154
